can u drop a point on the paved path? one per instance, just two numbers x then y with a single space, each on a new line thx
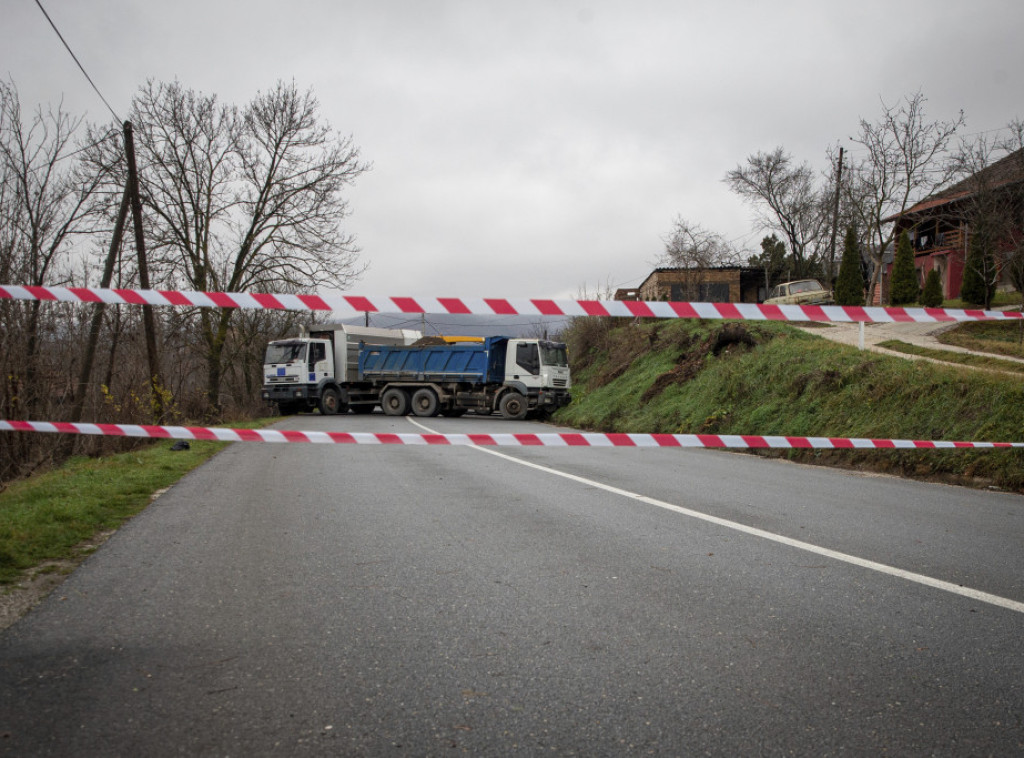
924 335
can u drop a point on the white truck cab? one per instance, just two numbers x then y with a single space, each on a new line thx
309 371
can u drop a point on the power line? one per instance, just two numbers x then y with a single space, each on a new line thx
80 66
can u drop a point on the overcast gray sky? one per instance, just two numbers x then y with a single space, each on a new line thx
526 149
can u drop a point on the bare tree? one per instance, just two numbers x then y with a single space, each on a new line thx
904 164
46 202
785 200
691 246
243 199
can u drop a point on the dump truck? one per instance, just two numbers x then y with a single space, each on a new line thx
341 368
516 377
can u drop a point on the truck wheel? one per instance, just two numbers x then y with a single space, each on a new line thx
424 402
513 406
330 402
394 402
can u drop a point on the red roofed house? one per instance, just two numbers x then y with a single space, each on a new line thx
939 227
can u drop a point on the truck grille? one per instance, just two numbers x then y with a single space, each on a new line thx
558 382
282 379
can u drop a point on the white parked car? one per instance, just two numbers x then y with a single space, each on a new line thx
800 292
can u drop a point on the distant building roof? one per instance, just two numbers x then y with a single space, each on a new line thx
1007 170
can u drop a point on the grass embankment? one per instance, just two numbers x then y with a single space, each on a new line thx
49 516
772 379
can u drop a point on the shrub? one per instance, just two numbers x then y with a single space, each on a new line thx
850 284
931 296
979 284
905 288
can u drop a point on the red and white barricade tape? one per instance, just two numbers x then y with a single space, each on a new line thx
553 439
350 305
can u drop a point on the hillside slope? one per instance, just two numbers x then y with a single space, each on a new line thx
772 379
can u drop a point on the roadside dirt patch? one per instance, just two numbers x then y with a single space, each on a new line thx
687 368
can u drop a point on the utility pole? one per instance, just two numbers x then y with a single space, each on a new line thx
140 245
835 216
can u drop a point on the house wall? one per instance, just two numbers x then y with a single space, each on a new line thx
951 266
936 241
952 276
684 284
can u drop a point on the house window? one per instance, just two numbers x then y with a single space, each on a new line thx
714 292
681 292
704 292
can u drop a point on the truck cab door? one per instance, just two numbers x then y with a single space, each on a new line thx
525 366
319 361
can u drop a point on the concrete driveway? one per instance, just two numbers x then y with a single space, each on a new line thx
924 335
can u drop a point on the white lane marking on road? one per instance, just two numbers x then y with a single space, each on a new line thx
882 568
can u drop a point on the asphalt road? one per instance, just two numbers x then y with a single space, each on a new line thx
400 600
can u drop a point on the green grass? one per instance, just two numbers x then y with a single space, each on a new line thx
998 337
1001 299
795 383
45 517
966 359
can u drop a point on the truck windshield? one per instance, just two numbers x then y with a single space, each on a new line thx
553 354
285 352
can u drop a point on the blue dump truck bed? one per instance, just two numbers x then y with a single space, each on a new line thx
468 362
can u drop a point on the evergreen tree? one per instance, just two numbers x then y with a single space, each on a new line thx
905 289
772 260
850 283
931 297
978 285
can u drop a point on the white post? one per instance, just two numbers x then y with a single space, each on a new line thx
861 335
